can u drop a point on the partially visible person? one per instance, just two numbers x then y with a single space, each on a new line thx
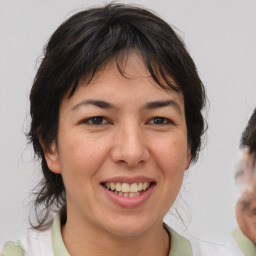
245 235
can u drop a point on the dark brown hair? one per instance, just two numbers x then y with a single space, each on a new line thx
79 48
249 135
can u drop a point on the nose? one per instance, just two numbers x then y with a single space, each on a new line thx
129 145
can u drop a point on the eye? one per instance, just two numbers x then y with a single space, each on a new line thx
160 120
95 120
253 211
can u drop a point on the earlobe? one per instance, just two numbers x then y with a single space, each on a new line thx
188 159
51 156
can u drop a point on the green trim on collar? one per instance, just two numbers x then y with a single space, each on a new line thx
59 249
179 244
245 244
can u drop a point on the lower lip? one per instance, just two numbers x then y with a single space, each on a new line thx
129 202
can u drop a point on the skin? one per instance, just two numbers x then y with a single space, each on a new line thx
246 206
247 217
129 141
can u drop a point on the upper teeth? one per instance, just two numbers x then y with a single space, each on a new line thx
126 188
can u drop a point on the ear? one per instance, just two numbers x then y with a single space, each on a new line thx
51 156
188 158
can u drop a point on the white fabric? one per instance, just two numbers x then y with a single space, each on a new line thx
40 244
202 248
232 244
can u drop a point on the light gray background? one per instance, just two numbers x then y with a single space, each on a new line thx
221 37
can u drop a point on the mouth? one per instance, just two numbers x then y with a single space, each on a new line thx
126 189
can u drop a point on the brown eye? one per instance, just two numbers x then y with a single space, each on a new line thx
160 120
96 120
253 212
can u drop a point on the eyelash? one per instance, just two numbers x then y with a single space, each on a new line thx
95 120
163 120
100 120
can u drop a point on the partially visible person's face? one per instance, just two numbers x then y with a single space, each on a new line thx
122 151
246 206
246 214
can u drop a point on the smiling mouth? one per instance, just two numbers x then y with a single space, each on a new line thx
127 190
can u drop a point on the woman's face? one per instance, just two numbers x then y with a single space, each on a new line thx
122 151
246 206
246 213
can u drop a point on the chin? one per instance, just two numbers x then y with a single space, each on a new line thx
129 227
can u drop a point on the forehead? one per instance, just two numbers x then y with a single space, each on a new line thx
128 77
131 66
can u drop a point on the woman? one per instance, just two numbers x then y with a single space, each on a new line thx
245 235
116 120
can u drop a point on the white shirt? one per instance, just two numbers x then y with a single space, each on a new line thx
50 243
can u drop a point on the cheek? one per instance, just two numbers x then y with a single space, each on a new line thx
172 155
80 158
238 213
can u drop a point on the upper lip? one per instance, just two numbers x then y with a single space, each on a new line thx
129 180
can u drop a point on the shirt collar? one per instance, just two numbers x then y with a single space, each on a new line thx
245 244
59 249
179 245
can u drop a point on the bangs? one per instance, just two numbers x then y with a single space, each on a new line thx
156 70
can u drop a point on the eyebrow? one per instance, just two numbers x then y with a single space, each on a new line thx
107 105
97 103
161 104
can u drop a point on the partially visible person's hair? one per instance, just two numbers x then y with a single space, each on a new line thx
248 144
249 135
84 44
246 173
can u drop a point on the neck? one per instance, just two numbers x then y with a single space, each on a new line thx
87 239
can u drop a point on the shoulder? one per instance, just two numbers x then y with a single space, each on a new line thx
239 241
36 243
200 247
196 247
